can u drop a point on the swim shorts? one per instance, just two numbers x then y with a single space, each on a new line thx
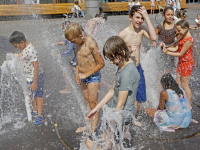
93 78
141 93
40 82
185 68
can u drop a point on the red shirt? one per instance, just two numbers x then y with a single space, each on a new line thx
187 57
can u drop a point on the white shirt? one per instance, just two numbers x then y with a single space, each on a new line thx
131 4
138 3
27 56
196 21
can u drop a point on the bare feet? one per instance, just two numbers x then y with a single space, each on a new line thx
65 91
81 129
194 121
137 123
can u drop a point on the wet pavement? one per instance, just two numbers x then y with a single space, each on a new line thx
64 109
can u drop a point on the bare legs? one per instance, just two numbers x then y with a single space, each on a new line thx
137 106
150 111
90 92
39 102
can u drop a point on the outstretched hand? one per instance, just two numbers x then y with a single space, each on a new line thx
142 10
91 115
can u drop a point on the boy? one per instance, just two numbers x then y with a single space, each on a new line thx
33 72
89 62
197 22
91 26
132 35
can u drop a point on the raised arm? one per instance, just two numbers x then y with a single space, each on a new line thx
150 32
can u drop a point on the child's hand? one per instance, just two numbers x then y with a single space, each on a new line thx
82 76
34 86
134 47
162 44
142 10
92 114
78 79
165 50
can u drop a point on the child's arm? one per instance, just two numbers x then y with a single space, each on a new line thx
163 97
150 34
184 49
173 49
91 26
104 100
34 85
98 58
77 78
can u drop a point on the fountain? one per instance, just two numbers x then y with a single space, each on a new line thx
67 111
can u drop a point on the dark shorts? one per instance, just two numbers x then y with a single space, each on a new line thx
40 82
93 78
141 93
100 130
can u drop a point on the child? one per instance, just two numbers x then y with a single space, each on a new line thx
131 4
197 21
159 6
184 53
92 24
89 63
180 15
78 9
152 6
173 111
33 72
132 36
123 92
166 32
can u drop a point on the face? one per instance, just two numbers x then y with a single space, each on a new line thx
198 17
78 40
169 16
20 45
116 61
181 30
137 20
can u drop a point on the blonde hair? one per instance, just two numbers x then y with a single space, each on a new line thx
73 30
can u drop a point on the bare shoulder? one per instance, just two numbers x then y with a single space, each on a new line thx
164 95
123 33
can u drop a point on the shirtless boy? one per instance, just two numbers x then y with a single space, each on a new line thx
89 63
132 35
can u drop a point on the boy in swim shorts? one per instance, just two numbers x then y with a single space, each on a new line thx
132 35
89 62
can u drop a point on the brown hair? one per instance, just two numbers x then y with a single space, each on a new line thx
76 2
164 11
183 23
134 9
73 30
181 14
115 47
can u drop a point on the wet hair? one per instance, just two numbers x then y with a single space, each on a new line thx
73 30
183 23
181 14
164 11
115 47
16 37
170 83
134 9
101 14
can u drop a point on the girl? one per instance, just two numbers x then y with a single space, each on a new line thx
177 113
180 15
152 6
184 53
159 6
166 32
123 92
